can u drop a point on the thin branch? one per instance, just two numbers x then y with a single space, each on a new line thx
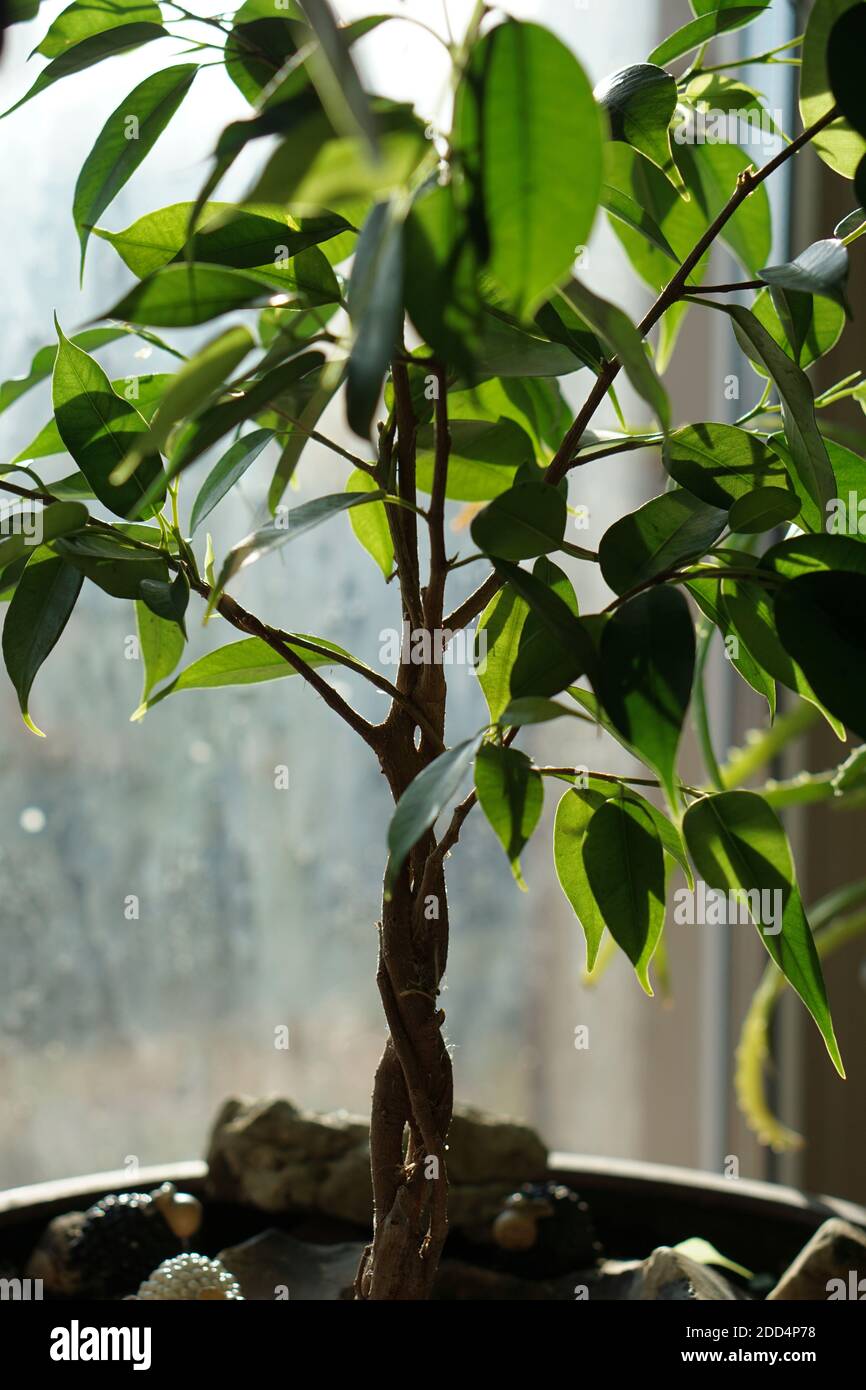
724 289
435 595
328 443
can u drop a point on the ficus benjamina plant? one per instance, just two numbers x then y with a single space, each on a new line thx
429 278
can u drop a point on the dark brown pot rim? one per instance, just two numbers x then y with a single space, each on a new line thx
636 1206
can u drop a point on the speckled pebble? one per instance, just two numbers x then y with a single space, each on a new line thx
190 1277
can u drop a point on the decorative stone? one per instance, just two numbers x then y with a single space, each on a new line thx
544 1230
190 1278
181 1212
51 1260
271 1155
276 1266
830 1267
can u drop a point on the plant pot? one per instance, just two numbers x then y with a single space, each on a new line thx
636 1207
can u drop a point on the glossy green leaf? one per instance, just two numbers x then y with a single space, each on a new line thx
21 532
720 463
817 329
187 392
441 279
144 393
262 39
295 438
659 537
180 296
763 510
573 815
808 451
821 269
217 420
556 617
375 302
534 709
40 608
112 564
623 207
710 172
89 51
508 351
839 145
498 640
86 17
287 526
248 662
161 644
705 27
647 665
624 863
485 456
640 102
544 663
737 843
526 521
425 799
128 135
223 476
336 78
370 524
616 329
42 364
99 428
527 121
511 795
821 621
226 235
167 599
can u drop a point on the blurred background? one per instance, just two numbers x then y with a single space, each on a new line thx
120 1034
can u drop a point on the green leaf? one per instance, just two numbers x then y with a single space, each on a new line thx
544 664
854 221
710 172
223 476
647 665
262 39
286 527
295 439
227 235
705 27
838 144
640 101
708 595
737 843
527 520
763 509
573 815
98 427
180 296
89 51
702 1252
556 617
821 620
167 600
814 554
335 76
624 864
720 463
42 527
534 709
112 563
375 302
42 364
815 324
244 663
511 795
507 351
370 524
128 135
144 393
499 629
39 611
659 537
186 393
808 451
623 207
313 169
821 269
485 457
527 122
441 280
718 92
88 17
161 644
616 329
216 421
425 799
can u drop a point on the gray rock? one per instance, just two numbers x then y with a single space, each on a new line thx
664 1276
276 1266
271 1155
50 1258
836 1252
